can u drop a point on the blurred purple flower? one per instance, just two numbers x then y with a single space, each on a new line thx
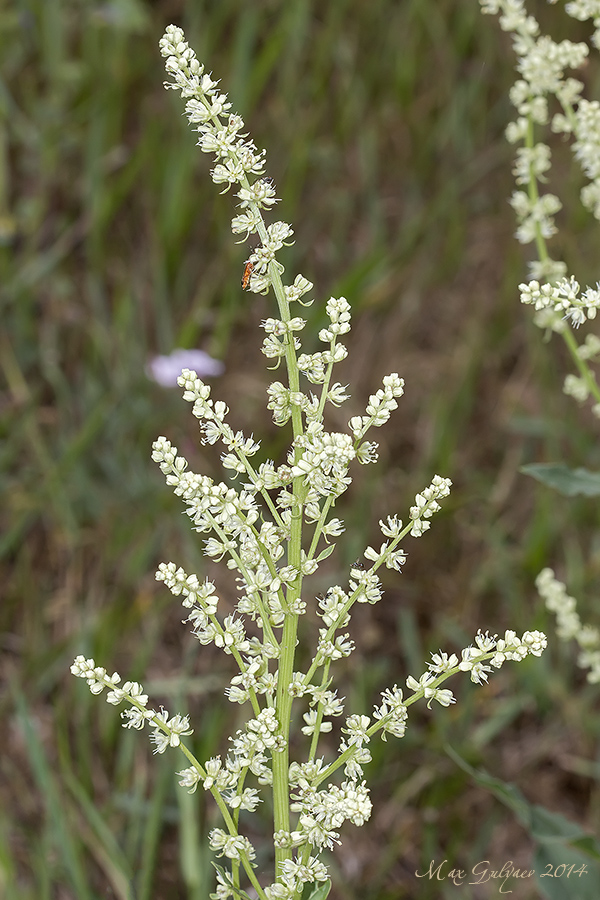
165 370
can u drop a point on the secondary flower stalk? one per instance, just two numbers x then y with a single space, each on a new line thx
547 98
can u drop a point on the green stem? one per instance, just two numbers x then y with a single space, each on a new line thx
320 524
582 366
263 491
316 733
283 702
326 382
230 824
534 195
264 612
352 598
379 724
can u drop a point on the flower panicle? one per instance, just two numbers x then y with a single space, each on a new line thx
256 527
542 66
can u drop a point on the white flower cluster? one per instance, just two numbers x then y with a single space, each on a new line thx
564 298
389 552
250 752
325 460
426 504
204 108
569 625
238 162
232 516
563 301
317 366
391 715
380 406
322 813
542 64
167 732
294 874
230 845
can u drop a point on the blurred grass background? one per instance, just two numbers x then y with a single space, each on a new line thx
384 124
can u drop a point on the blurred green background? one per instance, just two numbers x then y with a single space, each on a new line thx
383 121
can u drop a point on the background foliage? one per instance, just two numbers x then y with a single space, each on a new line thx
384 124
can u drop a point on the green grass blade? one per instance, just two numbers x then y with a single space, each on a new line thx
60 831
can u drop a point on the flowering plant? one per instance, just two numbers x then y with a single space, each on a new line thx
559 302
274 531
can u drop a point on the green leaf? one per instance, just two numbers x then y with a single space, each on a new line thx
326 552
318 892
569 482
566 859
552 863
